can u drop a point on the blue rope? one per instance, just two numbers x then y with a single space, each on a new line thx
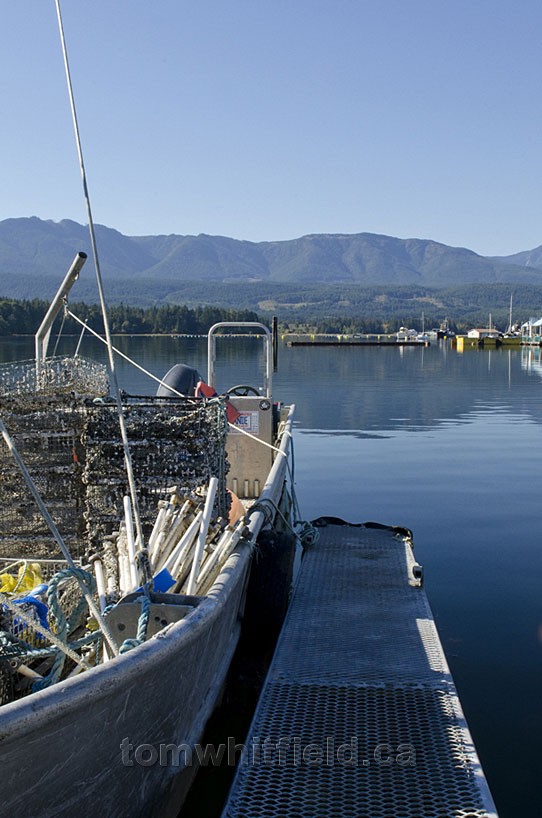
64 624
13 648
142 626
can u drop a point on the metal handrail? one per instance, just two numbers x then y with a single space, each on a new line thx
267 338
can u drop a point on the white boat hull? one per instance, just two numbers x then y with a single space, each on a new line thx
92 744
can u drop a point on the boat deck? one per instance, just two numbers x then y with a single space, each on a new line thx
359 716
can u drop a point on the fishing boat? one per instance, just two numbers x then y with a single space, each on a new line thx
411 336
120 614
128 526
425 337
406 336
513 332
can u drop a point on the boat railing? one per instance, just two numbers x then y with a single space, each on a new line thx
274 484
260 330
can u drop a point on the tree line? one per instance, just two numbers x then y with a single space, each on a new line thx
24 318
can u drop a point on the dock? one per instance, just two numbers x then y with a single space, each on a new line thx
359 716
374 340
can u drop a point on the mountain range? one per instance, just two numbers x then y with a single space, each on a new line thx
35 254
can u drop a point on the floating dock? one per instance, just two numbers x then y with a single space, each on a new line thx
463 342
359 716
350 341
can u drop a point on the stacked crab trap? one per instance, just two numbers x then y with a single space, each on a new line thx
66 430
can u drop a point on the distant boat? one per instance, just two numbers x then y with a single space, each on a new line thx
405 335
444 330
512 336
423 337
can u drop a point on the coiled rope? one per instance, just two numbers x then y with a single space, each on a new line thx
64 624
142 625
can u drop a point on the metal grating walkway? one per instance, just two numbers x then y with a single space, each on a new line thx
359 717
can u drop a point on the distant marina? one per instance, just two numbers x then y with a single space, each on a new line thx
369 340
475 339
528 333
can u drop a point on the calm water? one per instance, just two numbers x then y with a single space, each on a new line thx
448 445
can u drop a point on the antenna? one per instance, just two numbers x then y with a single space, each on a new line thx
111 357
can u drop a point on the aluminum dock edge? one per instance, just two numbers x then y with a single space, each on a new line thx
359 716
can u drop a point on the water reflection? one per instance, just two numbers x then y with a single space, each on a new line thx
531 360
342 432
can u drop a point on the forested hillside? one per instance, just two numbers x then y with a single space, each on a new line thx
325 310
24 318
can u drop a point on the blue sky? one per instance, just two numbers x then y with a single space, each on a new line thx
270 120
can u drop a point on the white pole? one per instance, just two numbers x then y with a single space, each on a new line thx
206 519
131 541
160 532
180 568
185 540
24 670
157 528
169 537
124 563
206 578
100 581
229 536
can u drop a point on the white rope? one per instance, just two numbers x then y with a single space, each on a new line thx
122 354
80 341
258 440
59 335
